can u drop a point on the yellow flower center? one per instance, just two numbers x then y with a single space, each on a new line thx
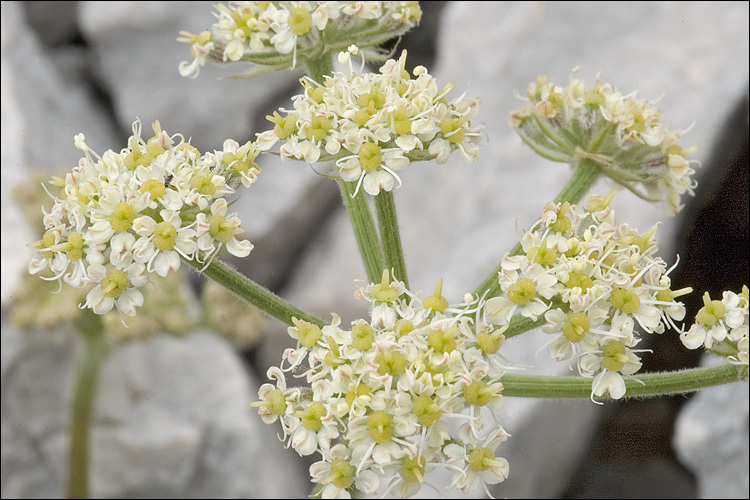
711 312
625 300
614 356
412 469
114 283
426 410
521 292
220 229
436 302
362 336
156 188
318 128
380 426
391 363
165 235
122 217
369 156
299 21
575 327
478 393
361 390
75 246
443 341
311 416
203 184
452 129
342 473
309 333
579 280
283 126
542 255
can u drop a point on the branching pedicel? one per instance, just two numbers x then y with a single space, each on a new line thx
416 385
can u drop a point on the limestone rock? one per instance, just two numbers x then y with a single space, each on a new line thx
711 439
171 420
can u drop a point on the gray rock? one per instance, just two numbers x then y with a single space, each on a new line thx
41 112
711 438
54 22
37 379
171 420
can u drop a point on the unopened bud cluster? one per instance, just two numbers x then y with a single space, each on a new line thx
120 218
621 135
595 281
375 124
279 34
393 397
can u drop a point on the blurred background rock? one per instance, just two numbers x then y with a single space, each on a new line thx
172 418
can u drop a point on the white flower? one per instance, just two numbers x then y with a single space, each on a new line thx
382 393
375 125
119 217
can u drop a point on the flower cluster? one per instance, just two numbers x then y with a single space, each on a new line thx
722 327
621 135
594 280
374 125
277 34
121 217
387 393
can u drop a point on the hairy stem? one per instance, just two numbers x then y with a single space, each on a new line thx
253 293
90 325
651 384
393 252
365 232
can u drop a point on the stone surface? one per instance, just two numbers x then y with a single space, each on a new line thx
42 110
171 420
711 439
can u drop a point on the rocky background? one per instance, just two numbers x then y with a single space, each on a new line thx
172 418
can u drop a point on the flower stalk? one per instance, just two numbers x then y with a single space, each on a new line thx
365 231
90 325
649 384
319 68
521 324
253 293
390 235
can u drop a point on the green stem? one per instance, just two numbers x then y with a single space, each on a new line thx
364 230
550 132
357 207
520 324
585 173
651 384
253 293
319 68
82 411
385 207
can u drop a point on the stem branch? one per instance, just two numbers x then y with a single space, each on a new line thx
653 384
390 235
82 410
253 293
364 230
